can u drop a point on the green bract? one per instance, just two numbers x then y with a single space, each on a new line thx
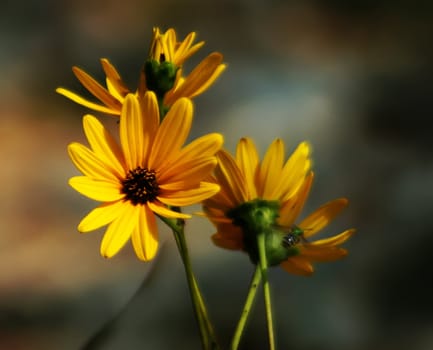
160 76
259 217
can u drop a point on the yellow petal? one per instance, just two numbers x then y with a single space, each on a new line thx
189 197
324 254
96 89
89 164
291 208
150 113
172 133
226 243
203 75
114 77
230 178
101 191
333 241
270 170
131 132
120 230
145 235
298 265
103 145
100 216
162 210
248 160
193 172
322 216
82 101
293 173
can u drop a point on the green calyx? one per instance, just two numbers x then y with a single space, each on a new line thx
259 217
160 76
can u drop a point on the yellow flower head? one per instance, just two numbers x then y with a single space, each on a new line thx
164 49
147 173
247 182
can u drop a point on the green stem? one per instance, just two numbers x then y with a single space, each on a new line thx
255 281
206 330
266 291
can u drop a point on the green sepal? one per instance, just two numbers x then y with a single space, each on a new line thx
259 217
160 76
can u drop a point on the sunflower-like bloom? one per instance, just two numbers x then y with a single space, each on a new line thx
164 49
248 183
147 174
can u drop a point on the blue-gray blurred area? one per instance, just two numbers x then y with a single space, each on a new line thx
353 78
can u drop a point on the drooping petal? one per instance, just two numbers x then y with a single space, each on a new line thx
227 243
172 133
247 159
231 179
97 190
323 254
162 210
86 103
270 170
333 241
131 132
89 164
145 235
298 265
189 197
101 216
96 89
103 145
291 208
322 216
120 230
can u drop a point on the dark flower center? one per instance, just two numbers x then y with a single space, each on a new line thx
140 186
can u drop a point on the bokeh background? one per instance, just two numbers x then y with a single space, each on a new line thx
352 77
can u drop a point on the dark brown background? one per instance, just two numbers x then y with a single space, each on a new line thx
353 78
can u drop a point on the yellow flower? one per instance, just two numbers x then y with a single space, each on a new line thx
164 48
146 174
244 180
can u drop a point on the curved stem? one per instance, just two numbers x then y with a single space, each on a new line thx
255 281
206 330
266 290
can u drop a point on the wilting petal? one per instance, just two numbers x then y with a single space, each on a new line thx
101 191
227 243
120 230
145 235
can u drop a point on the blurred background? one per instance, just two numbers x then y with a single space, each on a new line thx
352 77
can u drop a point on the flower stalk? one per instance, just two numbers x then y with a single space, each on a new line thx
255 281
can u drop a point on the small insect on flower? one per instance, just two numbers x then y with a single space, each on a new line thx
293 236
